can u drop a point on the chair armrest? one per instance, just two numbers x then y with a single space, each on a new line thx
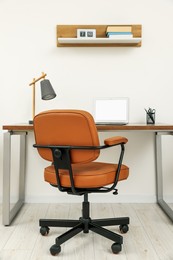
108 142
115 140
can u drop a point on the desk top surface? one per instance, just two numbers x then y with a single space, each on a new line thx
133 127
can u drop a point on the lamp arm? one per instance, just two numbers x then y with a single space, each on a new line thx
33 91
35 80
33 100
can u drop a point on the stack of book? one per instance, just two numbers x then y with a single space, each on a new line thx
119 32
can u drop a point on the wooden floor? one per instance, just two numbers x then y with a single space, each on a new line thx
150 234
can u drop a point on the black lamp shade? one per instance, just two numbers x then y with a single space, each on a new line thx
47 91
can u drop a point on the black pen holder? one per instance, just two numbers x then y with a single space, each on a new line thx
150 118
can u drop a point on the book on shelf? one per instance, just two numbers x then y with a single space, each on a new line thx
119 35
119 29
114 36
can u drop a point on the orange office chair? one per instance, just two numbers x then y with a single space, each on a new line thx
69 140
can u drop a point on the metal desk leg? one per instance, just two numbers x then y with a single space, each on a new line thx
159 175
8 214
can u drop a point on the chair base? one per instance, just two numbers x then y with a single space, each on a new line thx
84 224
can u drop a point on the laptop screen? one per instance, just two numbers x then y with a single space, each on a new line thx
111 111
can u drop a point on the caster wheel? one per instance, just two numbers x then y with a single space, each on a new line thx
116 248
54 250
44 231
124 229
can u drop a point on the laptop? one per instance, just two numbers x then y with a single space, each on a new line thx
112 111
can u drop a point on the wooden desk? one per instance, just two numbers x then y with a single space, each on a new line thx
22 130
128 127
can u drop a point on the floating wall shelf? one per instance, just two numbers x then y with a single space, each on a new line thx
67 37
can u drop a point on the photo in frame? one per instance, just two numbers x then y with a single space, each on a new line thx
86 33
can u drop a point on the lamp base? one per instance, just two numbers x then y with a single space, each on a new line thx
31 122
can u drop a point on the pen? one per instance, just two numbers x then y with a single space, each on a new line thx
150 113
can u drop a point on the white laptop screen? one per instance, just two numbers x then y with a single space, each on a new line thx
111 110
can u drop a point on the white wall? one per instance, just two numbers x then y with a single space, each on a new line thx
28 47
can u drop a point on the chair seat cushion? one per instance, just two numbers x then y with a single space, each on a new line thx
89 175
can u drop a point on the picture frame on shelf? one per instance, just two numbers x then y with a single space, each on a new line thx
86 33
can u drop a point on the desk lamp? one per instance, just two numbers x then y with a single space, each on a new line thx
47 92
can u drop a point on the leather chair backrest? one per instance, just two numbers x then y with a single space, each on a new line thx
67 127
